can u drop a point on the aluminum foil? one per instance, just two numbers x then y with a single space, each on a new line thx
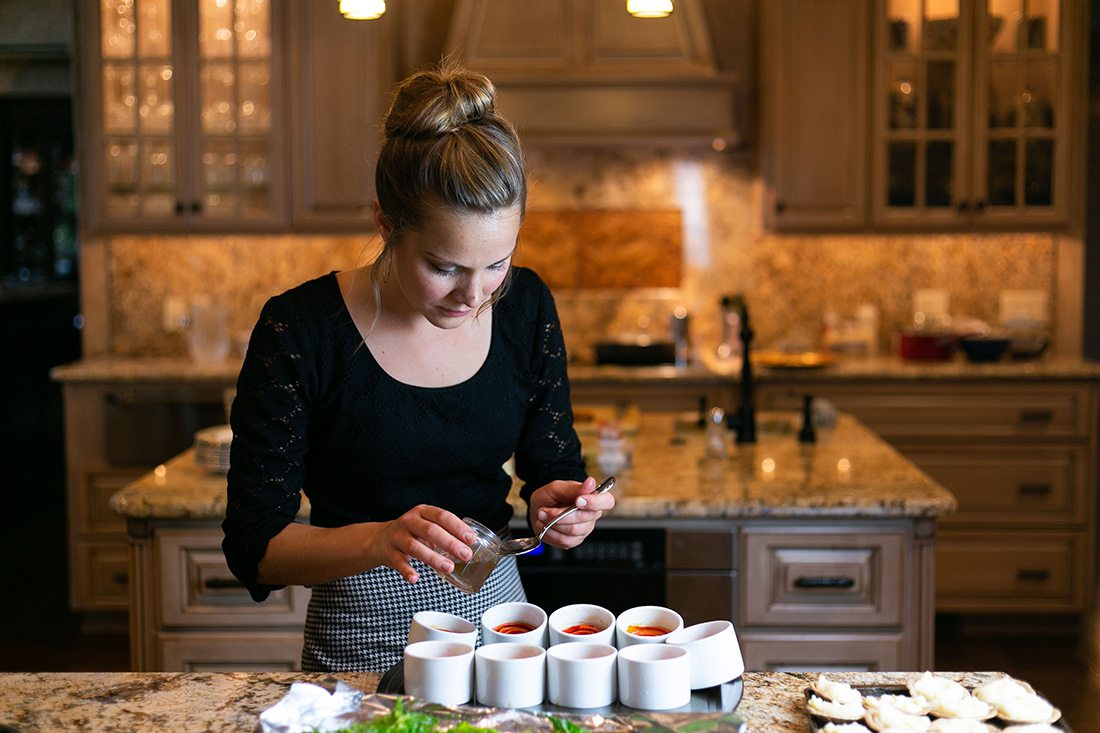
303 710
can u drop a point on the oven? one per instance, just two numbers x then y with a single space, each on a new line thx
615 567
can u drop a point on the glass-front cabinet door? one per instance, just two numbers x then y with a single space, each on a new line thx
969 107
179 100
922 114
1021 130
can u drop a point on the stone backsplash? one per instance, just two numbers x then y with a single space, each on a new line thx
578 200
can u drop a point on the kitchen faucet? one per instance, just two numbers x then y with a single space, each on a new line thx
744 419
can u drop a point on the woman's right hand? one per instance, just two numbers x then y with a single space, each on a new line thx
416 534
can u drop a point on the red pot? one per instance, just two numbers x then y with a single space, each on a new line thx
926 345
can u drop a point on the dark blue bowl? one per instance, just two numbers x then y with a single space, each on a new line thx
984 348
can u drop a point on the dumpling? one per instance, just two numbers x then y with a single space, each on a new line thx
1027 709
936 689
834 710
886 718
840 692
968 707
1001 690
902 703
1032 728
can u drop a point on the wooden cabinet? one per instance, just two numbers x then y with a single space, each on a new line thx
701 571
1021 459
971 119
815 72
201 115
179 115
340 77
114 433
192 615
974 112
846 594
586 70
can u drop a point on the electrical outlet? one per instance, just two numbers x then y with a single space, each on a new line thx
174 315
932 302
1023 306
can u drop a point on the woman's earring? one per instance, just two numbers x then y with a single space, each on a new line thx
387 261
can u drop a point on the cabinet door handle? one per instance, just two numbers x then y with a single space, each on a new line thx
222 584
196 207
979 205
780 207
179 208
120 578
1035 489
824 582
1032 574
964 206
1034 416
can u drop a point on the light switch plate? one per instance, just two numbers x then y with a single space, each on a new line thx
174 315
1023 306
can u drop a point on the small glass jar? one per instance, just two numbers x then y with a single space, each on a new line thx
469 576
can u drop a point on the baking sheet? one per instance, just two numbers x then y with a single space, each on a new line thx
817 723
721 699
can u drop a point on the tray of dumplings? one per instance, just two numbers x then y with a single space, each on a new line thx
931 704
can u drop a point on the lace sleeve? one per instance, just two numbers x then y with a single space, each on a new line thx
548 449
270 418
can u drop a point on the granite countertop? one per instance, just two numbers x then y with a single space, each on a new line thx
182 369
848 472
193 702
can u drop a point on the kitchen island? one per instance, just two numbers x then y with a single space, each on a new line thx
1014 441
821 553
231 702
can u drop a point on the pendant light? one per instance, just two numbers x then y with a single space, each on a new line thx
362 9
649 8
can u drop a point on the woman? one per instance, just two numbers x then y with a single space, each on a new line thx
393 394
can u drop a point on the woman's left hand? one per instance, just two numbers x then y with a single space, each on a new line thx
559 496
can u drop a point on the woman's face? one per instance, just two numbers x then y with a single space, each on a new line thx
450 265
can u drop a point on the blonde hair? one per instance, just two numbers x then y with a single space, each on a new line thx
445 145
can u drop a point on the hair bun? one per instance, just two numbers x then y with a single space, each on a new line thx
438 102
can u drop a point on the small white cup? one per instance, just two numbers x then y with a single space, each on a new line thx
582 613
581 675
654 676
713 652
439 626
506 613
440 671
658 616
510 675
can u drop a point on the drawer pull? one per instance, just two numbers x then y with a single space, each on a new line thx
1035 489
222 584
1032 574
120 578
824 582
1036 416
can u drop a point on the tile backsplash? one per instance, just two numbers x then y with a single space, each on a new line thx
689 230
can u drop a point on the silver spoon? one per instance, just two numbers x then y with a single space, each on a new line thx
523 545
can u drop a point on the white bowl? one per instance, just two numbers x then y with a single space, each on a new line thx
654 676
713 651
660 616
582 613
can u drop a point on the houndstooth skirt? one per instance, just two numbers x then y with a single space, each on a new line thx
360 623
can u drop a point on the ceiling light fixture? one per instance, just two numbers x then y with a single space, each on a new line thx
362 9
649 8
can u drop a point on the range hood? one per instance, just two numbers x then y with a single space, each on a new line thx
586 72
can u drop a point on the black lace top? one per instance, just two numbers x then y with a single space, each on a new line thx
315 412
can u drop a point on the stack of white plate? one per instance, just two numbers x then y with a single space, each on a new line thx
212 448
